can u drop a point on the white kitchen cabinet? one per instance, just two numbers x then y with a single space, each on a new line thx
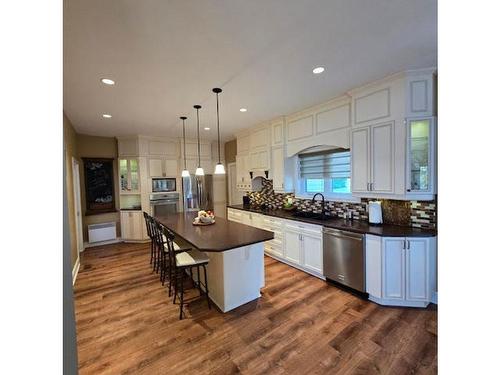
128 146
131 223
313 253
277 131
372 158
259 160
242 144
235 215
393 268
259 138
243 181
420 158
293 246
421 93
163 147
282 170
401 271
163 167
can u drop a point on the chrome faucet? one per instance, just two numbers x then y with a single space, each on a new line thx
322 202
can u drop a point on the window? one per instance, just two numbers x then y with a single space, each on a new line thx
327 172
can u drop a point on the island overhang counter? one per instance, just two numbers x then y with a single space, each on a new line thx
236 251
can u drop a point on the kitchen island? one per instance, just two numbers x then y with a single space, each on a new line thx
236 251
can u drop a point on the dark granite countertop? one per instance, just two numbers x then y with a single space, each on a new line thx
364 227
221 236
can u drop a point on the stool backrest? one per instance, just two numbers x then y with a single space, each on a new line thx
169 236
147 220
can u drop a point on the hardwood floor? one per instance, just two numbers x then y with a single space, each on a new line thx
126 324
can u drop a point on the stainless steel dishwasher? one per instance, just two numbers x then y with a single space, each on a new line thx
344 258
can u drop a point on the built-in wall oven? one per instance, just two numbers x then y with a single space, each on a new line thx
164 204
163 185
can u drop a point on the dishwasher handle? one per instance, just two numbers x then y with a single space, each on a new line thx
343 234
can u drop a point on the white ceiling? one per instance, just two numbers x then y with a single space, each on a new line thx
166 56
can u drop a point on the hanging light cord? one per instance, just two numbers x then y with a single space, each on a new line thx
184 138
198 120
218 129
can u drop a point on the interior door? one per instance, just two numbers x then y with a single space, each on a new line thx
78 205
382 158
393 268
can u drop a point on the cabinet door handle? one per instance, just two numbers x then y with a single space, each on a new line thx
404 244
371 186
408 245
368 186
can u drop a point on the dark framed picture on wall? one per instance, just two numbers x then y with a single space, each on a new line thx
99 185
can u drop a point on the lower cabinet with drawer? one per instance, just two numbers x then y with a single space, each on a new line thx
401 271
297 244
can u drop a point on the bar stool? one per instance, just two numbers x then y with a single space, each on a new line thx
147 220
182 261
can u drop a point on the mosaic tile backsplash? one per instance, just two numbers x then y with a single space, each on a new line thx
417 214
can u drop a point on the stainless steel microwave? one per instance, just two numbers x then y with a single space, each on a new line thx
163 185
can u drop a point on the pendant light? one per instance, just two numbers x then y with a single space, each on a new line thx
219 168
199 170
185 172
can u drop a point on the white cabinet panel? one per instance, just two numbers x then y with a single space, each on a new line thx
259 139
242 144
278 168
155 168
417 265
163 148
259 160
382 158
171 167
313 253
374 265
373 106
131 223
300 128
192 150
128 147
292 246
360 159
393 268
277 133
333 119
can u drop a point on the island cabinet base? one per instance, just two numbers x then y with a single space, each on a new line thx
236 276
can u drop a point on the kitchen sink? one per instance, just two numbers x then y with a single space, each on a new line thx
312 215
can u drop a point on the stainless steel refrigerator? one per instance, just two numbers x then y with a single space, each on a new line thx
197 193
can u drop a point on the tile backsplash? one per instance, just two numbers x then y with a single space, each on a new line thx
418 214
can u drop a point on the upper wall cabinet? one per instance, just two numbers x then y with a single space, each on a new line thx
326 125
420 98
259 138
163 148
128 146
242 144
277 131
192 149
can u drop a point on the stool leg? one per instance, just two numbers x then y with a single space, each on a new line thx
199 280
169 277
206 286
182 294
175 284
151 257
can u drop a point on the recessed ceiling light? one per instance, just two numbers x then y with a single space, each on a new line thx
318 70
243 109
206 128
106 115
107 81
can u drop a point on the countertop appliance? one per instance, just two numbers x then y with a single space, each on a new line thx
163 185
375 212
197 193
163 204
344 258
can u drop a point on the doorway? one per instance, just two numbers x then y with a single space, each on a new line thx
78 206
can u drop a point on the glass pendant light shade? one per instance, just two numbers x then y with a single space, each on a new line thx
185 173
199 172
219 169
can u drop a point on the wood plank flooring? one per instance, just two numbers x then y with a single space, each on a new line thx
126 324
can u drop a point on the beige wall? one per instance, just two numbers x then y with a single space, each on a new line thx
89 146
230 151
70 150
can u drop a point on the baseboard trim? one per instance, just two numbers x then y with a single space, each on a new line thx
76 269
94 244
434 298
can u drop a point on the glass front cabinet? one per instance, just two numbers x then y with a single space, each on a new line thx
421 163
129 175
